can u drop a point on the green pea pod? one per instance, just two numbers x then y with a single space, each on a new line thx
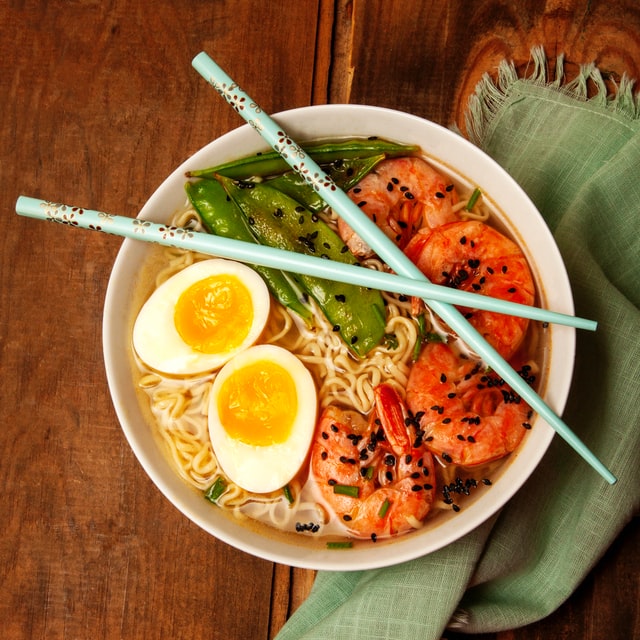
222 217
345 173
271 163
279 221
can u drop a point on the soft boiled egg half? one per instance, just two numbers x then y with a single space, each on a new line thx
262 414
201 317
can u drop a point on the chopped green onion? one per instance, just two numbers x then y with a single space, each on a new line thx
215 490
384 508
473 199
343 544
287 493
368 473
417 347
346 490
391 341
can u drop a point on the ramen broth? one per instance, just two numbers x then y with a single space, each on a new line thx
177 407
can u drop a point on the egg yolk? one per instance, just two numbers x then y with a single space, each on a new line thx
214 315
258 403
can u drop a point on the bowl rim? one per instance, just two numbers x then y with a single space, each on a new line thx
345 117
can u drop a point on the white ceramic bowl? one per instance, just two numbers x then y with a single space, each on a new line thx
469 164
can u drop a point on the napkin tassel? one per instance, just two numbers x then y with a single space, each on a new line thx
491 94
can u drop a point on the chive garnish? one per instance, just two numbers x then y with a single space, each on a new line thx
346 490
369 473
473 199
343 544
215 490
417 347
384 508
287 493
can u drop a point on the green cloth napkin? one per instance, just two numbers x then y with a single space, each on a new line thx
579 161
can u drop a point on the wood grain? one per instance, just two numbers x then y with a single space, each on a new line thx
99 105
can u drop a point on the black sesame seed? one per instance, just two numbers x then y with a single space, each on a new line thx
439 194
443 377
332 482
374 537
336 327
455 507
416 487
334 428
324 455
354 339
325 435
446 457
463 240
346 517
340 297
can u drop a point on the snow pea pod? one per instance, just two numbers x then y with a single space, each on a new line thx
346 173
271 163
222 217
357 313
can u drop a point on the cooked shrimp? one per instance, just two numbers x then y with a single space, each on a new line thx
400 195
376 475
475 257
469 416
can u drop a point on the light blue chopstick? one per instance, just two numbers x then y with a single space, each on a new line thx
295 156
277 258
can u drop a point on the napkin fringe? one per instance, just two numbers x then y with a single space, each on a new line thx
491 94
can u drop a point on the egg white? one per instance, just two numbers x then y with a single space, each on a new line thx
261 469
156 339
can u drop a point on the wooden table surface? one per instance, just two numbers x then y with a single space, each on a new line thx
99 104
